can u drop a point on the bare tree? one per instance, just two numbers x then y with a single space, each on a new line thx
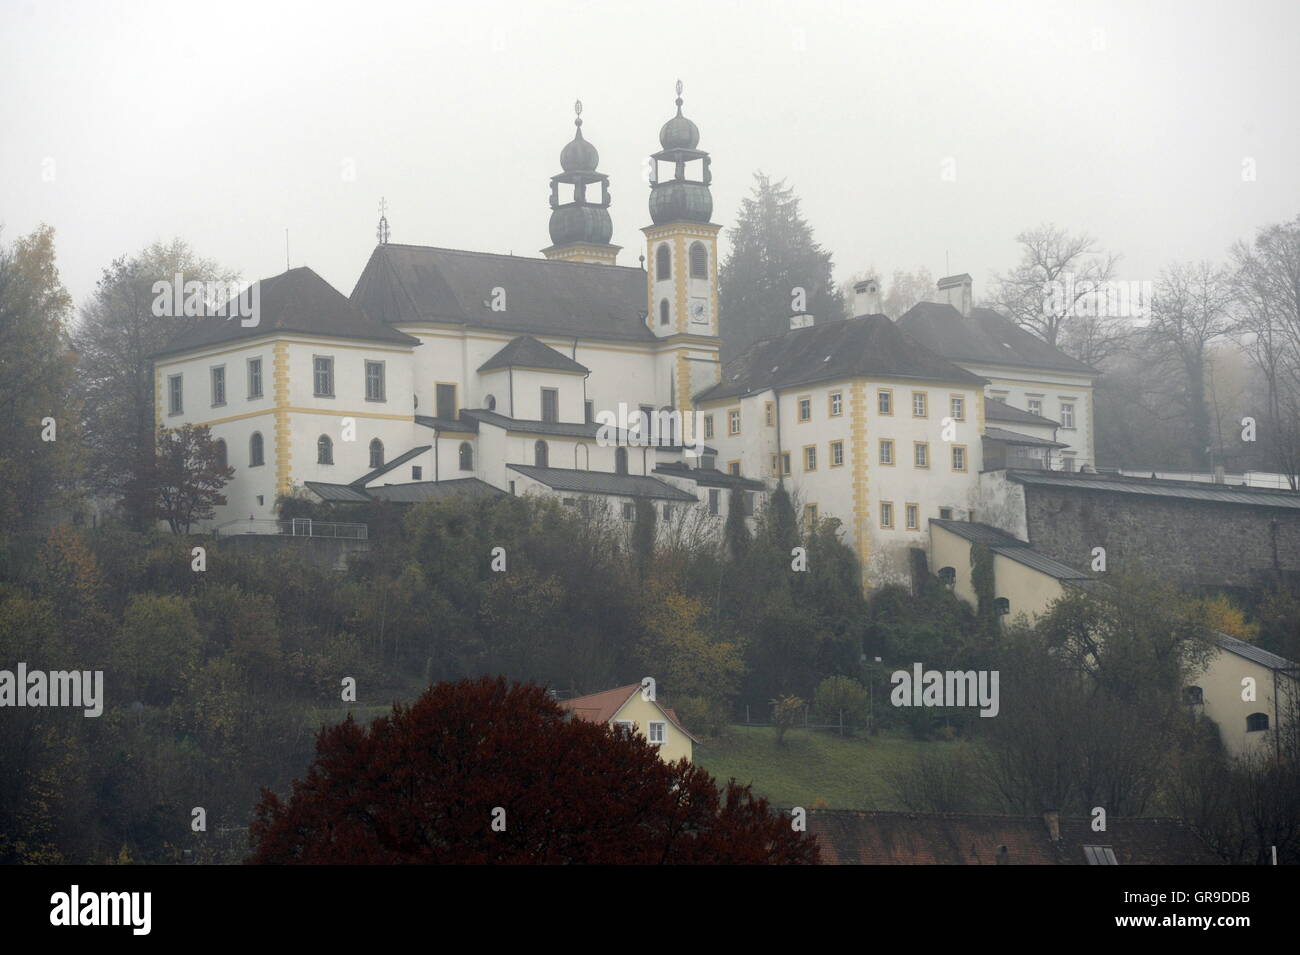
1191 310
1047 293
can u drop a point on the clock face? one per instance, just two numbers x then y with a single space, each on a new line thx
699 312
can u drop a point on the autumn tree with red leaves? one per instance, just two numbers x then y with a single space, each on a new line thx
425 784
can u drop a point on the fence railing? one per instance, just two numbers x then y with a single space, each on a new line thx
298 527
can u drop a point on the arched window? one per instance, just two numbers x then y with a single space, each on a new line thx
376 453
1193 695
663 311
490 402
663 262
540 454
620 460
1256 722
466 456
581 458
948 576
221 454
324 450
699 261
1002 606
256 451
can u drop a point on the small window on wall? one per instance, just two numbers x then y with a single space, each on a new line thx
324 450
550 404
221 454
376 453
490 402
945 513
541 454
699 261
256 450
1067 415
1001 606
733 468
948 576
466 456
375 387
175 394
1193 695
715 500
417 474
629 512
912 517
1256 722
663 262
620 460
708 426
1035 406
588 411
663 311
668 512
657 735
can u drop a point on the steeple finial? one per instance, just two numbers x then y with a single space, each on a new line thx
382 232
577 110
679 97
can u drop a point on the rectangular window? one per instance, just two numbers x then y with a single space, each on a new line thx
715 500
810 458
668 512
175 393
657 733
733 468
945 513
323 376
446 402
919 409
885 401
959 457
629 512
769 414
785 462
647 418
886 451
958 407
376 387
837 454
913 518
748 499
254 378
550 404
1067 415
588 412
921 454
1035 406
733 421
1067 460
887 514
708 426
218 385
805 408
810 515
417 473
837 404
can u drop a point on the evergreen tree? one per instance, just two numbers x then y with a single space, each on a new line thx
773 254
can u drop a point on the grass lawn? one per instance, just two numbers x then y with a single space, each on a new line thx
846 772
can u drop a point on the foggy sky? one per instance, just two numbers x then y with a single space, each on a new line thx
226 123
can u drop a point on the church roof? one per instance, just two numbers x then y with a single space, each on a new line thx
525 351
985 336
410 284
298 300
864 347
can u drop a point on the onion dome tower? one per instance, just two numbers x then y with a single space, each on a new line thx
682 244
580 223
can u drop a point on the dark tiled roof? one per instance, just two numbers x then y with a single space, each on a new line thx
525 351
709 477
601 482
1183 490
1251 652
410 284
295 301
447 424
1013 548
985 336
565 429
337 493
1014 437
397 462
850 837
863 347
417 491
995 410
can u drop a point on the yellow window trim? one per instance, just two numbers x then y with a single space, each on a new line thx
769 414
965 457
885 391
964 403
798 408
887 526
832 454
921 444
806 449
893 453
909 506
925 400
830 404
736 412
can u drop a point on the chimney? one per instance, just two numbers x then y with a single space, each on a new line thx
800 321
1053 820
955 290
866 297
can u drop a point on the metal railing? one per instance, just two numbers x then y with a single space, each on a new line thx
298 527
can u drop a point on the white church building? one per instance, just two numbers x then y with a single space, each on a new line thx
448 370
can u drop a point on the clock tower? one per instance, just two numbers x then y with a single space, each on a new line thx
682 244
